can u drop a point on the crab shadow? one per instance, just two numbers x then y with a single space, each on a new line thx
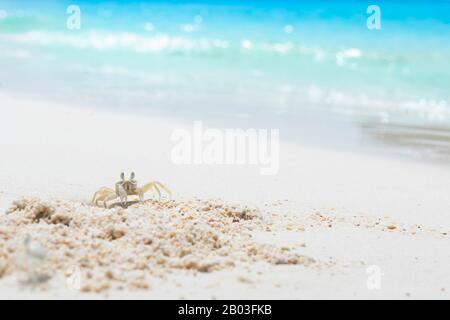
132 202
124 206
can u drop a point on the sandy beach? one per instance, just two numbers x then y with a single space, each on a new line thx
330 224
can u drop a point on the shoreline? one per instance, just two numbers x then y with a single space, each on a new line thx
317 127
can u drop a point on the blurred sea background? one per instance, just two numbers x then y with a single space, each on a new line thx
310 68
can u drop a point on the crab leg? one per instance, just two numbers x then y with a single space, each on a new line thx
122 193
163 187
104 196
149 187
155 186
108 198
101 192
140 193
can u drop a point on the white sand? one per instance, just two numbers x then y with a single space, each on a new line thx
62 153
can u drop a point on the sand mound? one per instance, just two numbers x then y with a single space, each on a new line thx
120 248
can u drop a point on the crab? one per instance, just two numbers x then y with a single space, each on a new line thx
125 188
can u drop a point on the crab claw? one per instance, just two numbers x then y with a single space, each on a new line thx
122 195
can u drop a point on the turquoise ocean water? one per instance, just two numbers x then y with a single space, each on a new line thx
283 62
